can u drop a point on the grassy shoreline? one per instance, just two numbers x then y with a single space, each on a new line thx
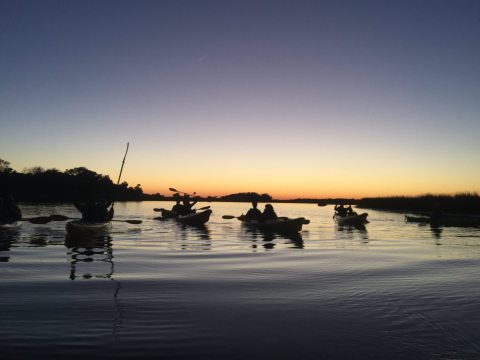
464 203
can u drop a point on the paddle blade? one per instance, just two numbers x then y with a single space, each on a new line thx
57 217
228 217
173 189
136 222
128 221
39 220
158 209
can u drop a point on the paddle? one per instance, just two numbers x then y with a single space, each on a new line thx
121 169
183 192
57 217
202 208
38 220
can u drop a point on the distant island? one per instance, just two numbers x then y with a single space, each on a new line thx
51 185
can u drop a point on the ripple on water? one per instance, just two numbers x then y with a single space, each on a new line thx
389 290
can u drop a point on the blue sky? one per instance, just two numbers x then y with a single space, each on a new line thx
293 98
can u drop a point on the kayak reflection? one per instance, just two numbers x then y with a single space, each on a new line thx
93 253
7 237
270 238
194 237
351 232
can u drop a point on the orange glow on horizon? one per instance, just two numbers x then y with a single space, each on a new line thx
307 182
279 194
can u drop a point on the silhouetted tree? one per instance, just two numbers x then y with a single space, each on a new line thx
246 197
5 167
80 183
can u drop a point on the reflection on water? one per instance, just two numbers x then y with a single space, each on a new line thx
436 231
90 250
269 238
352 232
193 237
167 290
7 237
42 235
25 236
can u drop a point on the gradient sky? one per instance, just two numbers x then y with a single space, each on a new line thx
293 98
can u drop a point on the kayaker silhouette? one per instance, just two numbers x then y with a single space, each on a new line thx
177 209
9 211
341 210
95 211
437 213
268 213
253 213
350 211
187 205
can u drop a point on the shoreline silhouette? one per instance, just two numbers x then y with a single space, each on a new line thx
38 185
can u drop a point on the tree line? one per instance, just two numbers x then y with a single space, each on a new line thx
51 185
242 197
37 184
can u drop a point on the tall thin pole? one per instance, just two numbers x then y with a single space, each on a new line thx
121 169
123 162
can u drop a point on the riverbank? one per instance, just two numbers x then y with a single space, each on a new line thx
453 204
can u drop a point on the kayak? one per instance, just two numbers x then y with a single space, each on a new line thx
280 225
195 218
82 228
453 221
167 214
417 219
10 225
355 220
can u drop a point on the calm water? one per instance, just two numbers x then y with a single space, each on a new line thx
159 290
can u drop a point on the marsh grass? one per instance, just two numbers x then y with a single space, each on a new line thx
461 203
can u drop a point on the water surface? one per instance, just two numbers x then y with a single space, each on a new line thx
163 290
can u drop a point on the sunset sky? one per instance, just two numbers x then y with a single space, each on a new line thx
292 98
